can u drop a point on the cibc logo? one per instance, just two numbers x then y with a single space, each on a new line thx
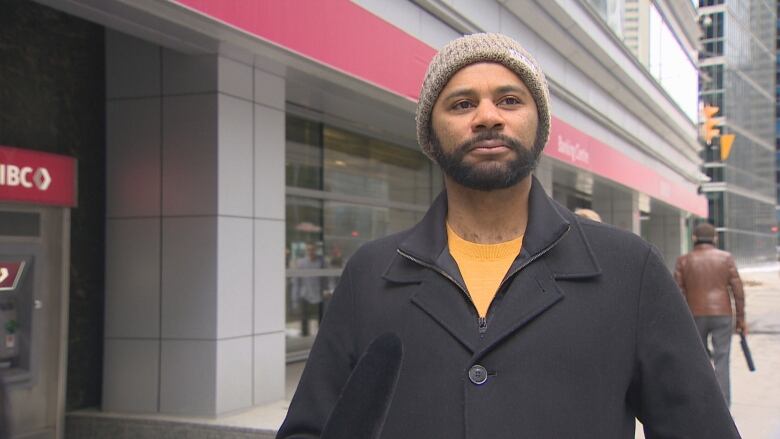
24 176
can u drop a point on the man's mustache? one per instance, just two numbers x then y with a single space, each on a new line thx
470 144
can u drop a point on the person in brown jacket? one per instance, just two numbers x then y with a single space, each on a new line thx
709 280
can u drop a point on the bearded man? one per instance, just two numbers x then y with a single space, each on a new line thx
517 318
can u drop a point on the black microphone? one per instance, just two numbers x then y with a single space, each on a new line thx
364 403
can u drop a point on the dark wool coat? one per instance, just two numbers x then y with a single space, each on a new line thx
587 332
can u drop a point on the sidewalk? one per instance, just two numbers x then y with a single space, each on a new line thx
756 395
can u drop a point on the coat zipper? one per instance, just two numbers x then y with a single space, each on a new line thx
526 263
482 322
438 270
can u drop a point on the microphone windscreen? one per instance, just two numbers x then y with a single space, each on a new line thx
362 407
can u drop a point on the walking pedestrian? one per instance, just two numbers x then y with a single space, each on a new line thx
709 281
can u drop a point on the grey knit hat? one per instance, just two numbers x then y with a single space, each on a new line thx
476 48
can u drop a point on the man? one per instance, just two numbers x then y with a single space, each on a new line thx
588 213
517 320
307 292
709 280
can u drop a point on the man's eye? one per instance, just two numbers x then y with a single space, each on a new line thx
511 100
462 105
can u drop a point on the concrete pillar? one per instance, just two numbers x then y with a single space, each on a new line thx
195 232
665 228
676 238
544 173
617 206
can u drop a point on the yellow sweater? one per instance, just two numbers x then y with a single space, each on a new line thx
483 266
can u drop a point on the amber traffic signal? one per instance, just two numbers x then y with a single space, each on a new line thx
709 123
726 141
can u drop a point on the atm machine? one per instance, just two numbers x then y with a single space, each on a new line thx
37 191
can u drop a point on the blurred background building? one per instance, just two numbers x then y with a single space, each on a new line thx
777 120
232 156
737 62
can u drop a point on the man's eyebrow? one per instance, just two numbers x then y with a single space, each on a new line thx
459 92
504 89
513 89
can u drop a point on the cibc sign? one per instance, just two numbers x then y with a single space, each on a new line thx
37 177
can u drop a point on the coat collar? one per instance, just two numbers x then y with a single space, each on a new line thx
549 225
554 247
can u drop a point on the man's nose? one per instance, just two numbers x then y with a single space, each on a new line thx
487 117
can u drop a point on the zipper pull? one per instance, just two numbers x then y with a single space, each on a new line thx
482 322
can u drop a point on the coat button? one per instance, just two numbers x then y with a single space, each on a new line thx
478 374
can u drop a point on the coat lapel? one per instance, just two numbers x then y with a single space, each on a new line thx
450 308
438 296
554 247
530 293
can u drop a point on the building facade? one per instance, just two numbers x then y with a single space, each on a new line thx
738 68
777 117
252 147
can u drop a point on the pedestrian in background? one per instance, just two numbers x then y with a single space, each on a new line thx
588 213
307 292
709 280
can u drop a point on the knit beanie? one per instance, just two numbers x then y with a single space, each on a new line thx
477 48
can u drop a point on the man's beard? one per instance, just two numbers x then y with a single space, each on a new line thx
486 176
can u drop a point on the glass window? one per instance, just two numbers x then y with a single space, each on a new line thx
309 283
715 174
612 12
304 226
362 166
308 294
715 99
348 225
711 78
670 65
303 154
715 201
712 25
365 189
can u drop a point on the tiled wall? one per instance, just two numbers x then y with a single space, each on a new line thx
666 229
619 207
195 232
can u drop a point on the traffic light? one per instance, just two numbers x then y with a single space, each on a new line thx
709 123
725 146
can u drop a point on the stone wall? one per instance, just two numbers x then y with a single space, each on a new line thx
52 98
